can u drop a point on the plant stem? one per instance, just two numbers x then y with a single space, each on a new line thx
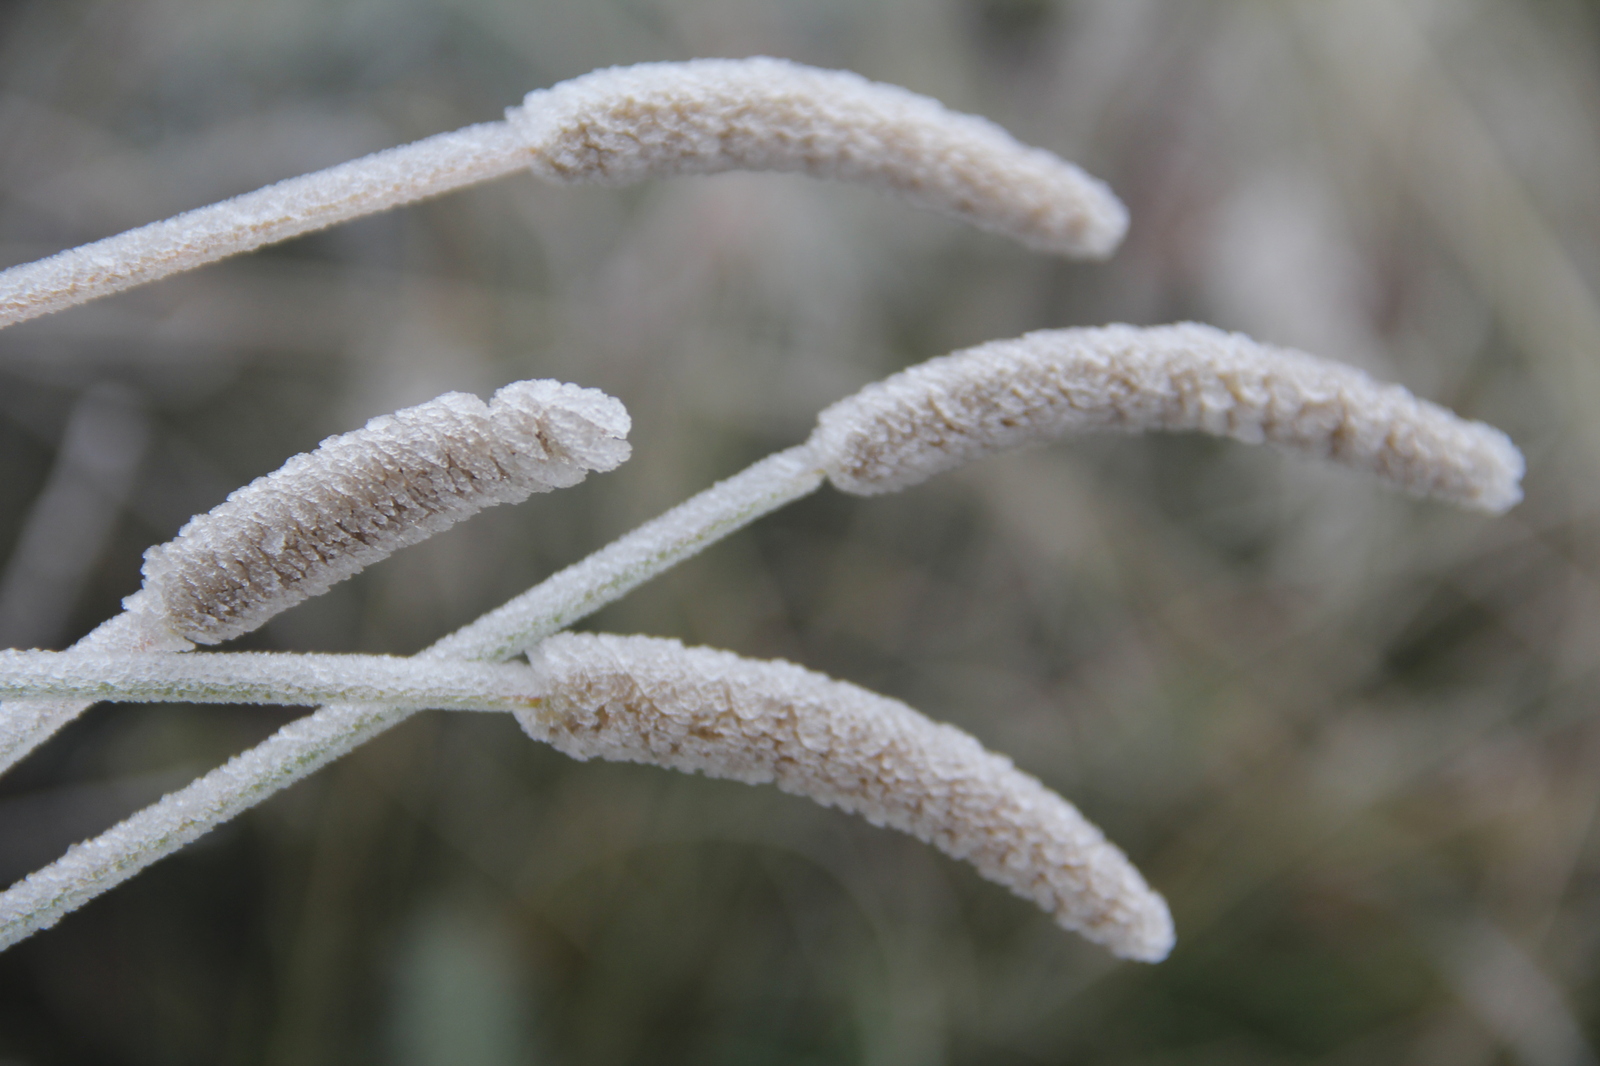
284 678
88 869
287 209
310 743
25 724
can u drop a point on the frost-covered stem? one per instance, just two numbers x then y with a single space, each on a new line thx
34 722
287 209
307 744
88 869
636 557
289 678
25 724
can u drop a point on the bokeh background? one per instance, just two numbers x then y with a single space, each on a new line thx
1352 737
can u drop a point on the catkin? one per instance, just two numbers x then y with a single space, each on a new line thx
625 124
951 410
326 514
640 699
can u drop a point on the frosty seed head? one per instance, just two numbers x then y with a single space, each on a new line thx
626 124
1005 394
326 514
640 699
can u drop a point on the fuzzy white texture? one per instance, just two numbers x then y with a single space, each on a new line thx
283 678
626 124
1005 394
287 209
642 699
621 125
326 514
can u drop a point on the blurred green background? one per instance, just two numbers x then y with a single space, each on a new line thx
1352 737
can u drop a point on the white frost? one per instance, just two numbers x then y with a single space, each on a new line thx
287 209
306 745
640 699
1005 394
284 678
326 514
626 124
648 550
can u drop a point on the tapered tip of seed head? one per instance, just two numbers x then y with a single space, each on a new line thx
1147 935
580 428
626 124
1498 467
1105 223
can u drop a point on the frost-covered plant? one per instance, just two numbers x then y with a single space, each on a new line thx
628 124
362 495
327 514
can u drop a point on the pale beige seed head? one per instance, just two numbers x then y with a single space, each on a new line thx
326 514
640 699
1006 394
626 124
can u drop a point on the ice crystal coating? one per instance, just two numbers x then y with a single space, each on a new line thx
641 699
1004 394
27 723
625 124
287 678
326 514
621 125
287 209
306 745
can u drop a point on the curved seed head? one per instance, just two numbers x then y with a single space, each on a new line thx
626 124
639 699
326 514
1005 394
